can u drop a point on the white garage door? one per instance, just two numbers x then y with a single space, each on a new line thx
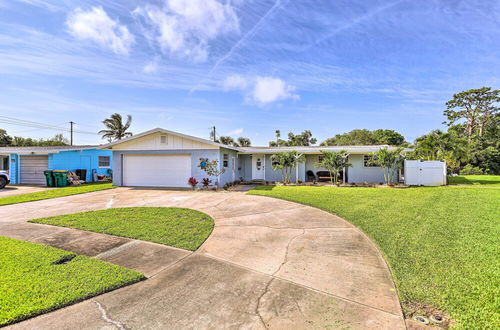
32 168
156 170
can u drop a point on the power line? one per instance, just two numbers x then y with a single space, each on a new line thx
28 123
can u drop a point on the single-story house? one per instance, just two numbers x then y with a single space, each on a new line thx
164 158
27 164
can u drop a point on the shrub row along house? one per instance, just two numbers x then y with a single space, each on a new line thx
27 164
163 158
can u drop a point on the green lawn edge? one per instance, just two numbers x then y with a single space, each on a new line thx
32 283
479 309
54 193
475 180
182 228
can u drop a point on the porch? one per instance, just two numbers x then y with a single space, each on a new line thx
258 167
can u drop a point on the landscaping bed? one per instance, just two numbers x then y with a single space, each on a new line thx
442 243
35 279
178 227
54 193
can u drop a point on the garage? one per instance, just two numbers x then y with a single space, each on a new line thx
156 170
31 169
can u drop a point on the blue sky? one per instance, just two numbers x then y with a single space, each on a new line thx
248 67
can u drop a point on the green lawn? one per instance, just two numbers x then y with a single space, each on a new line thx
31 281
182 228
442 243
489 180
53 193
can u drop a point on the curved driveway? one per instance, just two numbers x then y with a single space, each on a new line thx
268 264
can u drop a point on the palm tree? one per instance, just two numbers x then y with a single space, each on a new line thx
116 129
334 162
244 142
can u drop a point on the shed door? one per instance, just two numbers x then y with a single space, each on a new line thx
156 170
32 168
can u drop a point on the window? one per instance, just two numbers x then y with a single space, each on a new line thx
104 161
321 158
368 161
225 158
163 139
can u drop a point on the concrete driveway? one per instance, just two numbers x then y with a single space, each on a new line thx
269 264
12 190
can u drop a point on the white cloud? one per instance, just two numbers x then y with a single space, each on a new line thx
234 82
237 131
261 90
185 27
97 26
269 90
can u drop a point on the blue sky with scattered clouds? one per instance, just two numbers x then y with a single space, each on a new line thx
248 67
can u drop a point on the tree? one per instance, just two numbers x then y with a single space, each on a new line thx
303 139
240 142
334 162
227 140
388 136
475 107
390 162
60 138
366 137
286 162
244 142
116 129
5 139
212 168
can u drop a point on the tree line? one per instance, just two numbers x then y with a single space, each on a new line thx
469 145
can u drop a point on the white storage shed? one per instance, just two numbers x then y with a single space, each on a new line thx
425 173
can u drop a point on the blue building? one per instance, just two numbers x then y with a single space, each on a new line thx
27 164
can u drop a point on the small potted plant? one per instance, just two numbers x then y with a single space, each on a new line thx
193 182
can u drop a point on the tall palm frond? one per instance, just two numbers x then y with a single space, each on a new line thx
116 129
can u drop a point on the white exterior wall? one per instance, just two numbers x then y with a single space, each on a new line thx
153 142
358 173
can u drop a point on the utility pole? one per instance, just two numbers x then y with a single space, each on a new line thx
214 137
71 131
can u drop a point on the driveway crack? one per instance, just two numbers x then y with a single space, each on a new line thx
285 260
259 300
104 316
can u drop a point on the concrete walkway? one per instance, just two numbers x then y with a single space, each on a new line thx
269 264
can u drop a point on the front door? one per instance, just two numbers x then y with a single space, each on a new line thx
258 167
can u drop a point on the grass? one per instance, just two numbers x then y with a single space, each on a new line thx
53 193
178 227
32 282
442 243
489 180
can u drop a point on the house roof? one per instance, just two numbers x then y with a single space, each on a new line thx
44 150
315 149
162 130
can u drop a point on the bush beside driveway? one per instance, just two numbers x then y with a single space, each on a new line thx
442 243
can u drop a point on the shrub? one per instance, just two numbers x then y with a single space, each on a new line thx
193 182
206 182
471 170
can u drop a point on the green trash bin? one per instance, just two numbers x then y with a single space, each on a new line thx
49 178
61 178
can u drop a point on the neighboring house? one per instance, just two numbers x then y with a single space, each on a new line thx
27 164
162 158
